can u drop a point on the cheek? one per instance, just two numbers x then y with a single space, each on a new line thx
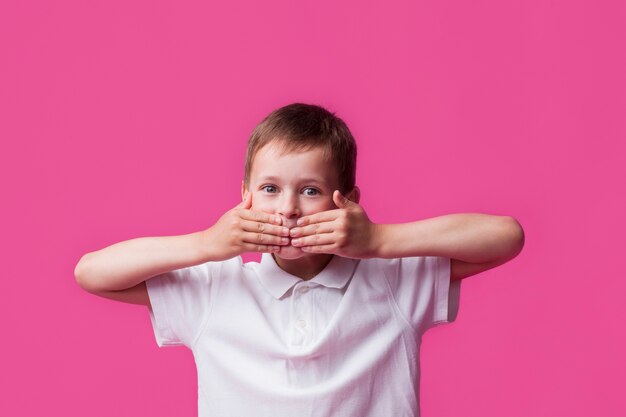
259 203
319 205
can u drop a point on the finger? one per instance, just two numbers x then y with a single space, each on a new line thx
247 201
322 216
268 228
340 200
264 239
251 247
319 249
325 227
314 240
259 216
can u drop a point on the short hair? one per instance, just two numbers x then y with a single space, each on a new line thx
302 127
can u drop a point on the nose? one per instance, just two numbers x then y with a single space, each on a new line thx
289 206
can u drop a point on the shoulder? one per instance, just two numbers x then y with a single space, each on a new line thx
197 274
407 264
235 264
410 270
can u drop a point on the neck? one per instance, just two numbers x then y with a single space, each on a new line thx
306 267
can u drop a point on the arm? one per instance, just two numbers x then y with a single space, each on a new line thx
124 266
474 242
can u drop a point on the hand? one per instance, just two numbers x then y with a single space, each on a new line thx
346 231
242 230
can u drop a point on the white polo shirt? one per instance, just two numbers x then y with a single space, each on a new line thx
266 343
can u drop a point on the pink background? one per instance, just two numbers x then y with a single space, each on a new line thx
122 119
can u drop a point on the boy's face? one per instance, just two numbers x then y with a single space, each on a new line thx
291 185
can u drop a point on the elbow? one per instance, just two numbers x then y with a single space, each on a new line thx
81 274
515 236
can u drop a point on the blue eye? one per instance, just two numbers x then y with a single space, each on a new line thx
269 188
315 192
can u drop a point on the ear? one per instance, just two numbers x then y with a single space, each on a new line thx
243 190
354 195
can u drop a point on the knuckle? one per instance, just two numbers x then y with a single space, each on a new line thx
260 237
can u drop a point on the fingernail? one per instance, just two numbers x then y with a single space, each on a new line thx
277 220
300 222
285 231
295 241
293 232
284 240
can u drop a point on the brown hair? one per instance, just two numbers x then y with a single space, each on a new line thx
301 127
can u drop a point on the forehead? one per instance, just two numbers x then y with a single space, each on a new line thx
275 160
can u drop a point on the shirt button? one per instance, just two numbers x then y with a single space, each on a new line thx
304 289
301 323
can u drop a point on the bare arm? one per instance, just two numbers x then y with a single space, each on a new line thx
125 264
474 242
469 237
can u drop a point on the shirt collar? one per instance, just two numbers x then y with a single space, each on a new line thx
278 281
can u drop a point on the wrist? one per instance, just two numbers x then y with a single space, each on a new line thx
204 244
379 240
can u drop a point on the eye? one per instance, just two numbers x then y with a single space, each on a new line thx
310 191
269 188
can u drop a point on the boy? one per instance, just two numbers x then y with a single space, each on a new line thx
329 323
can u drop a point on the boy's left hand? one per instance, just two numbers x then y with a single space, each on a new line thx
345 231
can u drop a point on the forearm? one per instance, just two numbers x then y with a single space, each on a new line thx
469 237
126 264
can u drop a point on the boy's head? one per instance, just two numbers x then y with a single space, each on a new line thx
299 127
297 156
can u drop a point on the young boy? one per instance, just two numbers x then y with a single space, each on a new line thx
329 323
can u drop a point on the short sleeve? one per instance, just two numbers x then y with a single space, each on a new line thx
180 302
422 289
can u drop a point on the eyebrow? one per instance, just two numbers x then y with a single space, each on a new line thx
277 179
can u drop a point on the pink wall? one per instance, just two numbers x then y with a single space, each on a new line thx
124 119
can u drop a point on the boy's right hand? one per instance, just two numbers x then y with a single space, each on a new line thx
242 230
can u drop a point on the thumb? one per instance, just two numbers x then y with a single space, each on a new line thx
340 200
247 200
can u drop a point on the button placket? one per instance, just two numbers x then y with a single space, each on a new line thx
300 324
